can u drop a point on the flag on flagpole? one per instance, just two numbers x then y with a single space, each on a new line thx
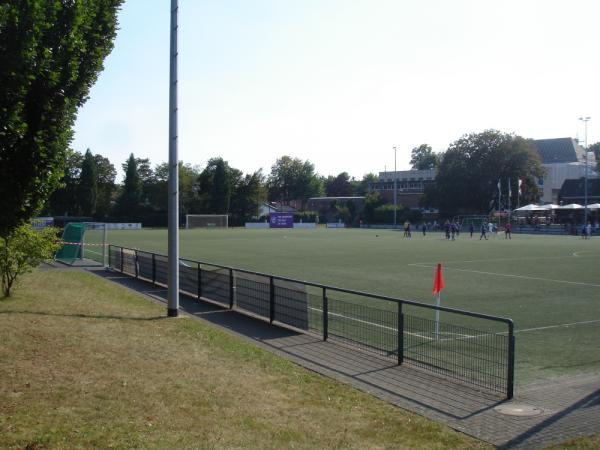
520 183
438 281
509 190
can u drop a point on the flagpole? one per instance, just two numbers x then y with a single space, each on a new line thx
499 193
509 196
437 316
438 285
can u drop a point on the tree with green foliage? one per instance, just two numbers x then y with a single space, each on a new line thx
293 179
63 200
88 185
373 201
51 53
23 250
128 204
188 197
216 185
424 158
249 194
467 179
362 187
106 186
338 186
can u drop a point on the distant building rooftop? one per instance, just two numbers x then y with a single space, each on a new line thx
428 174
559 150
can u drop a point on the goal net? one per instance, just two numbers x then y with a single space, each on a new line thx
206 221
475 220
83 243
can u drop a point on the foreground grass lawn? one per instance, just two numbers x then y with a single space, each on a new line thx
86 364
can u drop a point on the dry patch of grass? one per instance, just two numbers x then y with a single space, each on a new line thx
587 443
87 364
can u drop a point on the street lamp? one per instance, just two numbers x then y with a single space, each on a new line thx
585 120
395 187
173 183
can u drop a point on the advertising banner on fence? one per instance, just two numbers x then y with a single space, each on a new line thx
39 223
281 220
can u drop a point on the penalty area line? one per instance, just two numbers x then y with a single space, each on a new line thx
557 326
508 275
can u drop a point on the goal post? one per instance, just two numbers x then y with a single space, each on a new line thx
83 243
95 242
206 221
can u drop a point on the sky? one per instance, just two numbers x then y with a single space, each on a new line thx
342 82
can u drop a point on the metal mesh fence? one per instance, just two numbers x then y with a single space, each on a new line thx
473 348
145 265
363 325
215 284
161 269
291 304
129 264
114 257
188 278
252 293
473 356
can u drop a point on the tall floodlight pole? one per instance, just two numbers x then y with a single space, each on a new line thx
173 221
585 176
395 187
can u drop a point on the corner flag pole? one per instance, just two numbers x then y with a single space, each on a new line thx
438 285
173 212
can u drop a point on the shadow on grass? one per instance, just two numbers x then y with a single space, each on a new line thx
82 316
401 385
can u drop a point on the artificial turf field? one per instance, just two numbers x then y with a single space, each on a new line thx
549 285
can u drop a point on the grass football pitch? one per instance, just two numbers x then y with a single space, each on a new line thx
549 285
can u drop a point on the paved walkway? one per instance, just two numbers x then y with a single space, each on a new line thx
570 406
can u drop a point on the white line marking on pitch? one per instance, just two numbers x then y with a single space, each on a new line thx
572 255
576 254
459 336
557 326
524 277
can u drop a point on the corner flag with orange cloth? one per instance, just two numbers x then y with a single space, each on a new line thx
438 281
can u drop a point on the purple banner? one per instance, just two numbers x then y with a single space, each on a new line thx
281 220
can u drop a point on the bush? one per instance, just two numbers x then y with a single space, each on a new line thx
22 250
306 217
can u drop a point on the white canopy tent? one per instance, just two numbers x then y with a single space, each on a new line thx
529 208
594 206
550 206
571 206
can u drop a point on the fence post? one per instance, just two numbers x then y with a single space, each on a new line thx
231 289
199 281
122 259
153 268
271 299
400 334
510 378
325 315
109 258
137 271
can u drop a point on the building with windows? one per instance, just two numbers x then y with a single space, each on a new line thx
563 159
410 186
